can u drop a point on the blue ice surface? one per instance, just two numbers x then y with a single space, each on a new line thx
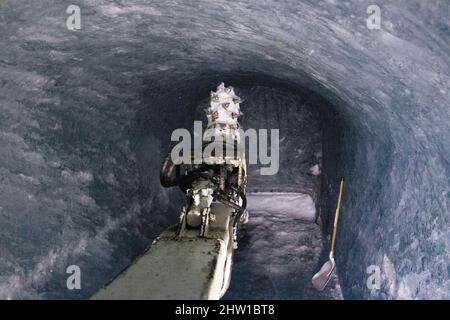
86 117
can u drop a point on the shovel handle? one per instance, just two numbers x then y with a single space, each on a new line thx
336 216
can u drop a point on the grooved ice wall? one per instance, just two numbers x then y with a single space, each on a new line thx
86 117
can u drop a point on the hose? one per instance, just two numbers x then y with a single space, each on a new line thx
170 176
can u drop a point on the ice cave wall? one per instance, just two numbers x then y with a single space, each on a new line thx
78 173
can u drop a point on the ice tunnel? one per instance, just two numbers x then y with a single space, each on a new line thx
87 114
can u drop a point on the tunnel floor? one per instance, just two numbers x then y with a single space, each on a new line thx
279 251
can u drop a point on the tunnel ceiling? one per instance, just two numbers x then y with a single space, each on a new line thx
75 105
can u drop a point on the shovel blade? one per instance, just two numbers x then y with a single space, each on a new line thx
321 278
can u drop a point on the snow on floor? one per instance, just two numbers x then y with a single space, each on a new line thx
279 251
292 205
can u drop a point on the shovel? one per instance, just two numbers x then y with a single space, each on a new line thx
321 278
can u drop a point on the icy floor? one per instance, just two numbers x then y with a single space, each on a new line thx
279 251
